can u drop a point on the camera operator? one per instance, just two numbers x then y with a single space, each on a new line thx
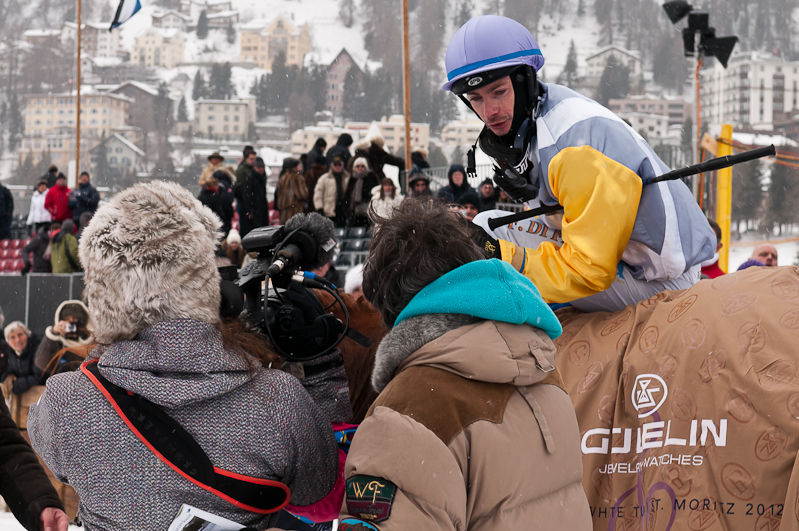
153 291
72 328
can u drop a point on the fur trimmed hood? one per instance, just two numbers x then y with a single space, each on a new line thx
78 309
473 348
149 257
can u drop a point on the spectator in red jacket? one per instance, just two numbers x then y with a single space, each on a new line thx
710 268
57 200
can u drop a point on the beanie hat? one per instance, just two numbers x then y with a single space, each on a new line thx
148 257
361 160
751 263
469 198
233 237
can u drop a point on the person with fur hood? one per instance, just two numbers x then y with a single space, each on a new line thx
217 163
72 329
291 194
386 198
458 185
419 157
154 292
372 149
472 429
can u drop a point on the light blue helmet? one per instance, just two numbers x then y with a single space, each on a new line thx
489 45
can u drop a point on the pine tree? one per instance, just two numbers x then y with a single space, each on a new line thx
183 114
252 133
353 95
569 75
782 191
101 168
463 13
346 12
279 84
457 156
15 121
199 90
259 90
202 25
581 8
231 33
747 193
220 85
614 83
436 158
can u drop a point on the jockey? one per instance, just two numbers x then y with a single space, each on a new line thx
616 242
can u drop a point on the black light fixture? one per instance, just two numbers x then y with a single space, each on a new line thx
699 22
677 10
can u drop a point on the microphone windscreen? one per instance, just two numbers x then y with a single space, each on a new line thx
321 230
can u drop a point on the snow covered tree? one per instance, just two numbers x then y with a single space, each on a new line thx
199 90
231 33
202 25
580 8
279 84
781 204
220 85
183 113
463 12
569 75
614 83
261 94
346 12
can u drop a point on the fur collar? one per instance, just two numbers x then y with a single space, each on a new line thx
408 337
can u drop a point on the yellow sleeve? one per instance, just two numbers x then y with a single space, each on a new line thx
600 201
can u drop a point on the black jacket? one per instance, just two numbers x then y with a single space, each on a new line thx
250 192
341 149
6 203
36 247
23 481
51 178
221 202
419 161
82 199
23 367
315 156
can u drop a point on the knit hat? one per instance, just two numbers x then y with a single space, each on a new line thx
417 175
233 237
148 257
751 263
486 181
259 163
361 160
469 198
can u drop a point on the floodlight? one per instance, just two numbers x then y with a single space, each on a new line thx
720 48
689 42
698 21
677 10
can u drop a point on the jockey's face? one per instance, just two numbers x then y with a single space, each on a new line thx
494 105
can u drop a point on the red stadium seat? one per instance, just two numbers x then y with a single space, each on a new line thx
5 253
14 253
4 244
18 265
18 244
5 265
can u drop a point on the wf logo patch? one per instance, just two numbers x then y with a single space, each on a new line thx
370 498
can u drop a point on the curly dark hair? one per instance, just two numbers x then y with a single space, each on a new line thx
421 241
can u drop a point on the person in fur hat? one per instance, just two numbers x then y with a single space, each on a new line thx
217 198
72 328
154 301
359 192
373 150
419 157
217 163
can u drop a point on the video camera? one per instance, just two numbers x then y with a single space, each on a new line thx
278 300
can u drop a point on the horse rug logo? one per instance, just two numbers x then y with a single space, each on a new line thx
649 393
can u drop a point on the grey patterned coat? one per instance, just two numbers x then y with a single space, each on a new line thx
262 424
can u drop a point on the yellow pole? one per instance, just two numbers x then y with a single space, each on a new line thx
724 197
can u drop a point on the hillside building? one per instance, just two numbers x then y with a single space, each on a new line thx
47 38
143 96
392 129
461 133
120 154
224 119
596 63
262 41
193 8
755 91
336 77
171 19
101 112
158 47
677 110
650 126
95 38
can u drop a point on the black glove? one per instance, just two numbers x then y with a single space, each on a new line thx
516 186
485 242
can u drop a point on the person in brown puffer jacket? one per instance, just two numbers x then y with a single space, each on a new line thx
472 430
292 193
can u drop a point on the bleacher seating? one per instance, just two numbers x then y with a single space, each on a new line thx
11 255
353 246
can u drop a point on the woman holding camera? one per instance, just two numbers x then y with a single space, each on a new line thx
71 329
152 288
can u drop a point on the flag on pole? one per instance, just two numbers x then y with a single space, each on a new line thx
126 9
